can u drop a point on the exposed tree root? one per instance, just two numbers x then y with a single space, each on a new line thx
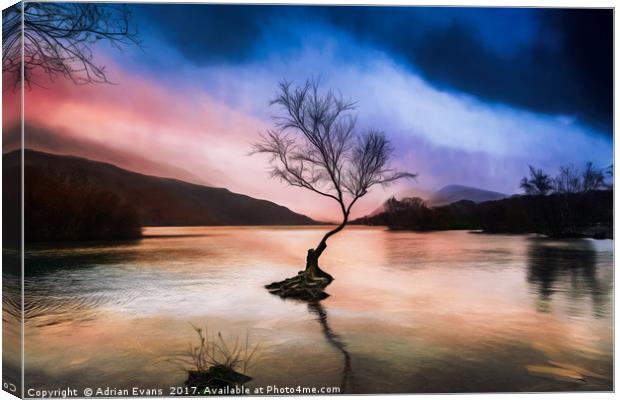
301 287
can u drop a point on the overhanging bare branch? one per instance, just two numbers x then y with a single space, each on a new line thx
58 39
316 146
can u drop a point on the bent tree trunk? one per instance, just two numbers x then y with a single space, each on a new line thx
312 260
308 284
313 271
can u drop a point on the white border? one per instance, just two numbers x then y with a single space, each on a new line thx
489 3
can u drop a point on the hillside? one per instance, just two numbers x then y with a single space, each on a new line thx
157 201
452 193
59 142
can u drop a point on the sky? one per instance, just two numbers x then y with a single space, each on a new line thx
467 96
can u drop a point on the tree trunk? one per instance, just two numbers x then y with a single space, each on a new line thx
313 271
308 285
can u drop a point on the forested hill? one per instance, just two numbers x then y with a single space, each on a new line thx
587 214
58 181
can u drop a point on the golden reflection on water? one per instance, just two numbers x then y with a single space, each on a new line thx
431 312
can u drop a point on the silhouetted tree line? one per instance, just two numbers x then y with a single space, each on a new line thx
568 180
61 208
413 213
572 204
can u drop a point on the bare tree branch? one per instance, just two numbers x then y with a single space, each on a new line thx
316 146
58 39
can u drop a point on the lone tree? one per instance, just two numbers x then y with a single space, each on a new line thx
57 39
568 180
316 146
592 178
538 183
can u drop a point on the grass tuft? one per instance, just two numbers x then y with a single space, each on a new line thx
215 351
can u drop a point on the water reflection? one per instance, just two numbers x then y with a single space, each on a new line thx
11 319
566 268
447 311
333 339
59 284
44 259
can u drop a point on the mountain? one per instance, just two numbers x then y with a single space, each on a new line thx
58 142
158 201
411 192
452 193
446 195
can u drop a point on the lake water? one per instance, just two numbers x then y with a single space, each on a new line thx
408 312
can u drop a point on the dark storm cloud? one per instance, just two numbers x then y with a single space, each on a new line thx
210 33
545 60
567 68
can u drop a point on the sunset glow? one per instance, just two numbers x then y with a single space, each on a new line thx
197 111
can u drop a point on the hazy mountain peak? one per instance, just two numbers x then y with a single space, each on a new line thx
454 192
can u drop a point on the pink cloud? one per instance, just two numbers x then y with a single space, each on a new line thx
182 127
11 107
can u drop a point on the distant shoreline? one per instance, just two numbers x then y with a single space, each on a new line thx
567 215
105 242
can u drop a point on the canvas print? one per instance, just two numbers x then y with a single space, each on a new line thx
206 199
